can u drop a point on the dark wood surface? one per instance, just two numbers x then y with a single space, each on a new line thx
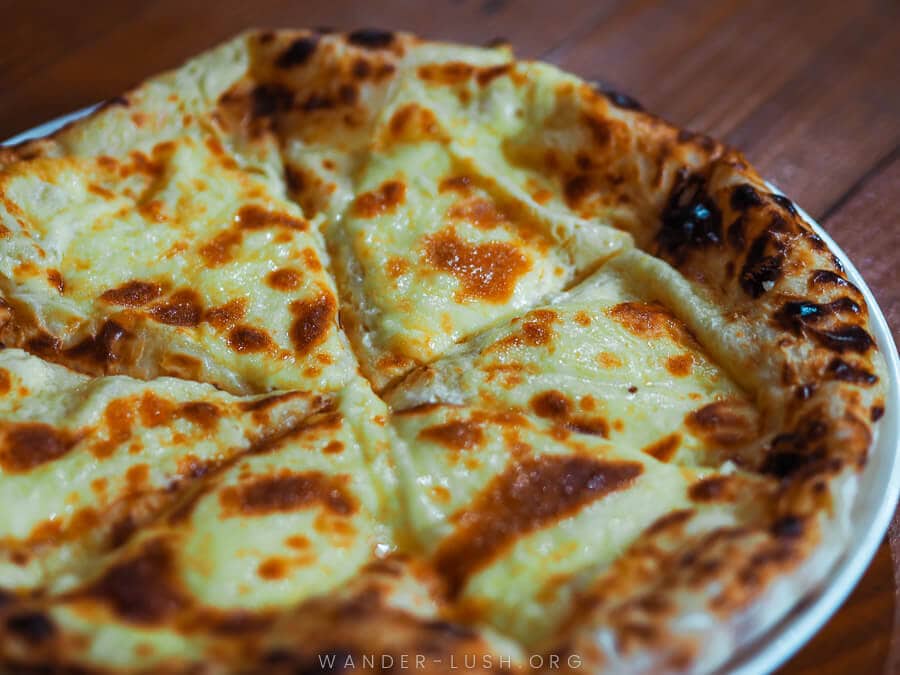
808 89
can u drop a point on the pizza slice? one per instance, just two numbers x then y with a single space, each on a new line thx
182 519
86 462
602 359
140 241
428 246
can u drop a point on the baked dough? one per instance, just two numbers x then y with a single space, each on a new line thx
326 349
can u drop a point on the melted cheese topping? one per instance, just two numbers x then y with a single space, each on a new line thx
171 260
284 225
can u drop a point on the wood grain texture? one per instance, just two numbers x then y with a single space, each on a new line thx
809 89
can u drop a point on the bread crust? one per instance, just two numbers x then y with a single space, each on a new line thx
408 274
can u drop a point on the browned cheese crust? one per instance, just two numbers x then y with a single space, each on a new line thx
734 276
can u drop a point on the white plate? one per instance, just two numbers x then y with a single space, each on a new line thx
876 501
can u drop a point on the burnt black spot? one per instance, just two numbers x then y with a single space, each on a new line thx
760 269
803 392
33 627
784 203
271 98
691 217
736 233
788 527
102 348
800 449
632 389
816 241
846 339
617 97
744 197
796 315
371 38
877 412
828 278
298 52
786 463
839 369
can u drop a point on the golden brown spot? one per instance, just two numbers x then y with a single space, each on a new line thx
132 294
244 339
441 494
56 280
253 217
528 496
225 316
609 360
333 448
664 449
26 269
481 213
101 192
728 422
489 74
716 488
312 322
154 210
5 382
220 250
285 279
650 320
383 200
485 271
542 196
311 259
137 476
577 189
154 410
140 589
396 267
412 122
558 407
118 416
27 445
450 73
680 365
298 541
582 318
456 435
203 414
215 147
273 568
286 492
461 184
183 308
551 404
307 189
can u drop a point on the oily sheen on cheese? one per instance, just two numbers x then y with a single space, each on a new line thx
326 351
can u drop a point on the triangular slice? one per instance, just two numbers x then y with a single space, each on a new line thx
601 359
139 242
86 462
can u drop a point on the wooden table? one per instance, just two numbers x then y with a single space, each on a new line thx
808 89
